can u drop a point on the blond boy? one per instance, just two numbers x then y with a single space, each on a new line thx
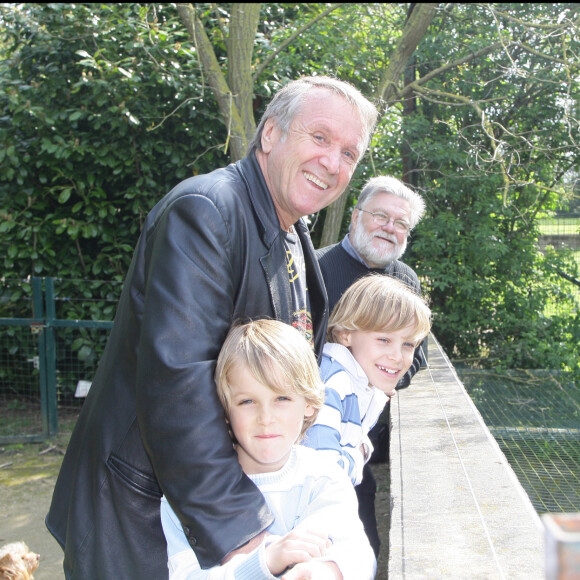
371 339
269 385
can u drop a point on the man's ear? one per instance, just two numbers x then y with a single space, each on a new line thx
269 134
354 219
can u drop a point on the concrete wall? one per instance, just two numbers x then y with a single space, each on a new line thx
457 508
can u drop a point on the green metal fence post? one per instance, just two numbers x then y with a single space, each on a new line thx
38 328
50 350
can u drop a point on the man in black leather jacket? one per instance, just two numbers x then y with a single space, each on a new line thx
218 248
385 213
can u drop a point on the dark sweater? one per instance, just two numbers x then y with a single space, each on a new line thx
340 270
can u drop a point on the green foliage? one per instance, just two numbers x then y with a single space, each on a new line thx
101 115
477 248
104 107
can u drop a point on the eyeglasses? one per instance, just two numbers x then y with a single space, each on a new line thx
382 219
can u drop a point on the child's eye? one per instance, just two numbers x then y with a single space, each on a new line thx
284 398
410 345
245 402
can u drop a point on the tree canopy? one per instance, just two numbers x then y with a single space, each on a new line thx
105 107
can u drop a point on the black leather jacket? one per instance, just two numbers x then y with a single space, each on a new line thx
210 253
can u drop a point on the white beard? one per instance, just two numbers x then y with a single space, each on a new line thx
379 257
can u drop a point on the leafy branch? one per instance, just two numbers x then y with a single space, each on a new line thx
271 57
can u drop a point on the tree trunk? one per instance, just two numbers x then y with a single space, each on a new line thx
333 220
409 107
415 28
234 102
243 27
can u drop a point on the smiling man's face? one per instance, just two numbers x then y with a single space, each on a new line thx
307 169
380 245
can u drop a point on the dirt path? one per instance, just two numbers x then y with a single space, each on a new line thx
27 477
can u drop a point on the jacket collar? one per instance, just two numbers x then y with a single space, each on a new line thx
267 219
260 197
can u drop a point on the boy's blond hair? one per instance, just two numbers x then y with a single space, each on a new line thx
379 303
276 355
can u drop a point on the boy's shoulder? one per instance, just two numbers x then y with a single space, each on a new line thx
315 463
306 469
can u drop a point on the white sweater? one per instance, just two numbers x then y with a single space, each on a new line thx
310 490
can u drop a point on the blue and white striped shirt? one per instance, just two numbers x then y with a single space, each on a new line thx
351 408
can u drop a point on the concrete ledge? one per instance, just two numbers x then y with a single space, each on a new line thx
457 508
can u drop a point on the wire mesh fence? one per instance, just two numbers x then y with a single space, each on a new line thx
535 418
38 374
20 410
21 398
563 235
562 226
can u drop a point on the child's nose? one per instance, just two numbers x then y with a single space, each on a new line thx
396 354
266 416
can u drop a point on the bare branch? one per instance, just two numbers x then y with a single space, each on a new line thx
183 103
487 127
222 92
220 22
531 50
414 30
573 8
415 84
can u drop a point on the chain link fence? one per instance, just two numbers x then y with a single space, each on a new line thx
535 418
52 334
563 235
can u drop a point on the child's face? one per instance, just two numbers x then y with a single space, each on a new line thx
384 356
266 424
